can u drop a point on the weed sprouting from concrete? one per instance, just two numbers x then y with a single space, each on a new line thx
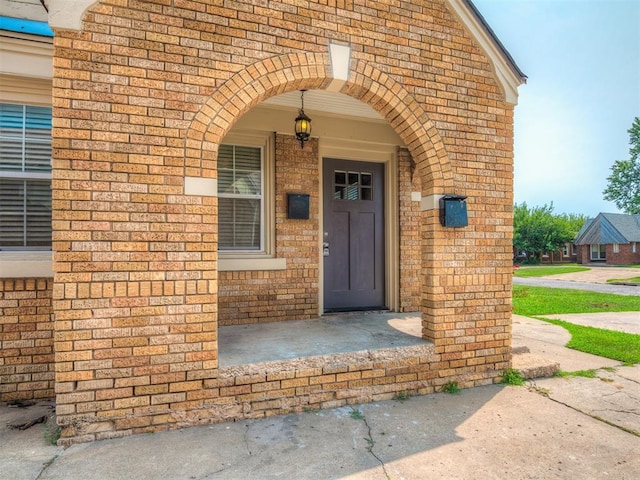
356 414
52 431
540 390
591 373
401 396
451 387
512 376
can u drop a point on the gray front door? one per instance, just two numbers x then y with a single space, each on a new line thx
353 235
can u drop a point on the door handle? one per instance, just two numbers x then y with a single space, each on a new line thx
325 249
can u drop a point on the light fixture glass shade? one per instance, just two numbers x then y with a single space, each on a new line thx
303 128
303 124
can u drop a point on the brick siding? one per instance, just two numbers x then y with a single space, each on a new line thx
273 388
411 278
625 255
26 339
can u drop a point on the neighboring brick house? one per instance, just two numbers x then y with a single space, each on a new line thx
567 254
182 202
610 238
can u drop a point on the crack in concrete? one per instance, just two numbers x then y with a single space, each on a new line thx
46 465
619 393
630 412
369 439
595 417
210 474
365 330
627 378
246 440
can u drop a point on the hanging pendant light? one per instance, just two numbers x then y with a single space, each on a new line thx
303 123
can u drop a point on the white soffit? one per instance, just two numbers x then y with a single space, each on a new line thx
28 9
332 103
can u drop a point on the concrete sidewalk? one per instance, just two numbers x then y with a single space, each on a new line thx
553 428
487 432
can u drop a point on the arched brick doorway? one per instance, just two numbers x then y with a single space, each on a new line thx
274 76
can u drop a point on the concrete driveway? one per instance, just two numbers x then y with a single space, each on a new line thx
594 280
598 274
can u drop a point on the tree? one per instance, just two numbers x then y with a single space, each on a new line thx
573 222
623 185
537 230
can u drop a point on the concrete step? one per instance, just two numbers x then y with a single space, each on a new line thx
532 366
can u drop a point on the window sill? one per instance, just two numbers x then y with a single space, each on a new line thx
26 265
39 264
231 264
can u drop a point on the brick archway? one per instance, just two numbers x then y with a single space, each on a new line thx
367 84
310 71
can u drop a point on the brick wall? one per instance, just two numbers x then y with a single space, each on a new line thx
144 94
274 388
26 339
410 241
625 255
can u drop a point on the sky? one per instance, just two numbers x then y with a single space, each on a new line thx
582 60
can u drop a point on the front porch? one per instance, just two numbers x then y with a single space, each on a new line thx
282 367
330 335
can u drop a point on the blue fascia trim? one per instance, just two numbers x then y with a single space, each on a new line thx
21 25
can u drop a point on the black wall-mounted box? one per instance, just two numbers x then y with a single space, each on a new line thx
298 205
453 211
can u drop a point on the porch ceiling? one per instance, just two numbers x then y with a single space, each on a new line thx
331 103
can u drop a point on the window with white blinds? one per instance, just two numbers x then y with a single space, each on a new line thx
25 177
240 198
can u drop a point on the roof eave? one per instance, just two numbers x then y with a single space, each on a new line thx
509 74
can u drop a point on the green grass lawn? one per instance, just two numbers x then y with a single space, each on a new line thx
628 280
620 346
543 271
540 301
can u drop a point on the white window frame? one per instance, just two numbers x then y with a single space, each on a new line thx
264 259
246 196
601 253
565 250
633 247
616 248
26 175
25 78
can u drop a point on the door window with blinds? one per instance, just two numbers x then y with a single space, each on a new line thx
25 177
240 198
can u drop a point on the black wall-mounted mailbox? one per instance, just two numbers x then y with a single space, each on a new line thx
453 211
298 205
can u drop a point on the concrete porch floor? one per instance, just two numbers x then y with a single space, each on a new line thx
327 335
